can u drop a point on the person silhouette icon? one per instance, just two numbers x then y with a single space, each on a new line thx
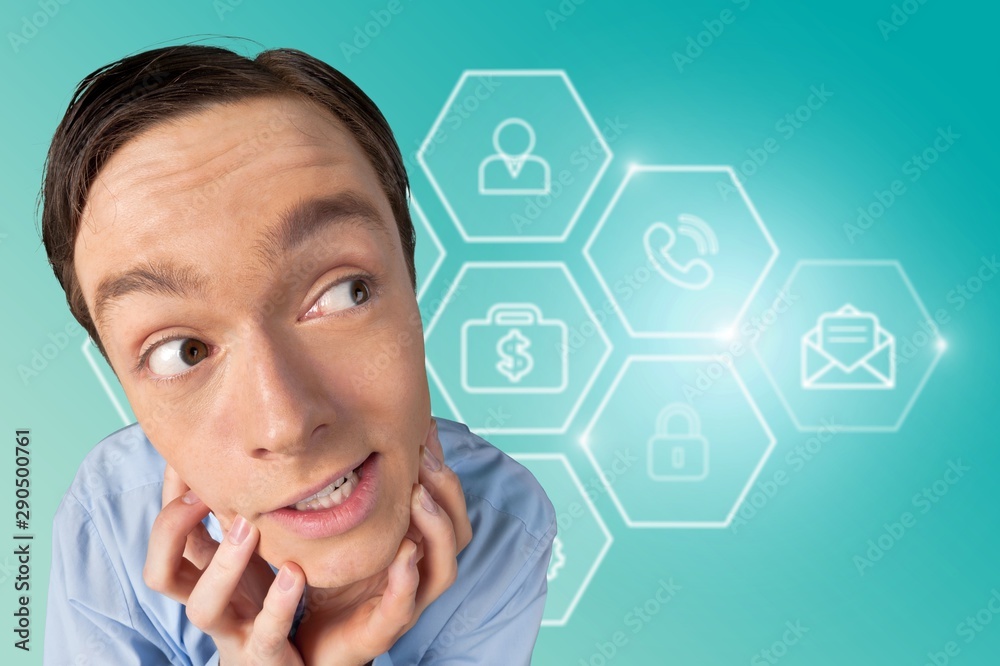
507 172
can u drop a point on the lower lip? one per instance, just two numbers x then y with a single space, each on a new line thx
337 519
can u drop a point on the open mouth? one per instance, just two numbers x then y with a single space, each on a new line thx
334 494
339 506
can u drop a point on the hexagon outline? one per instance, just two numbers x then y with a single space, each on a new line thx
693 524
689 168
586 116
586 306
442 252
85 348
920 385
608 537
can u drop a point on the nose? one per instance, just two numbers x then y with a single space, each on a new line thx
277 396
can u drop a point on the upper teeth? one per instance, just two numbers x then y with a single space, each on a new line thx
332 495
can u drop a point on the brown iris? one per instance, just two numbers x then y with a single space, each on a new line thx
193 351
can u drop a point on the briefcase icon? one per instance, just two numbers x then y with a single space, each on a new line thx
514 349
848 349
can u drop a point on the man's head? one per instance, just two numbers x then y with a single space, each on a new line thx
234 235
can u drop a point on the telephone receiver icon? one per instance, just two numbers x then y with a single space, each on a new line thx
659 239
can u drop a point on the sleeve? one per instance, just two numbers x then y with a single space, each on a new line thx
87 615
507 635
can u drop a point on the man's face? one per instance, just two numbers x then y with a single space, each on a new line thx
286 348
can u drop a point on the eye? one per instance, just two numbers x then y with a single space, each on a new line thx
343 295
173 357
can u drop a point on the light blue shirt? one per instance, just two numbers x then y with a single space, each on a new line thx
101 612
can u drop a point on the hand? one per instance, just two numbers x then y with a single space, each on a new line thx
230 592
355 624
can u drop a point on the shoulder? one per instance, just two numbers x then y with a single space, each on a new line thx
497 487
503 568
121 463
99 536
498 593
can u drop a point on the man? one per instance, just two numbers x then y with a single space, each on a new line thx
235 237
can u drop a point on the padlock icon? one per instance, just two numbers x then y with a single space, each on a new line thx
677 451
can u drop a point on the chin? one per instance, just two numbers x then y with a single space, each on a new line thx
343 559
349 565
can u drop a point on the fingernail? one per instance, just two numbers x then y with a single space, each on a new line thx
412 560
427 501
430 461
190 498
239 531
285 579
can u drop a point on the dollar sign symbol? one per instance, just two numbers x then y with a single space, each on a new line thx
515 361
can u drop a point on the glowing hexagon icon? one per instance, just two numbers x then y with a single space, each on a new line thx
515 347
680 251
678 441
852 346
429 252
109 382
582 540
514 155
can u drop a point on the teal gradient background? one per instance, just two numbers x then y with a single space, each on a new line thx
793 557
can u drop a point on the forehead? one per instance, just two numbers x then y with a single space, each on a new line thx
193 159
216 177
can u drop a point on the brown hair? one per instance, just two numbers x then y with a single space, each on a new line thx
119 101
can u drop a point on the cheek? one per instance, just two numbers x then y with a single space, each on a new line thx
197 465
396 397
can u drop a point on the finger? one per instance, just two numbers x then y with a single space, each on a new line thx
446 489
271 626
395 609
173 485
439 566
434 440
200 546
213 593
166 571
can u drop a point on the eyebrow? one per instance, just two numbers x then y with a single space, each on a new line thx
298 225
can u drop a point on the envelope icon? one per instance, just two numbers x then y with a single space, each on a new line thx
848 349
